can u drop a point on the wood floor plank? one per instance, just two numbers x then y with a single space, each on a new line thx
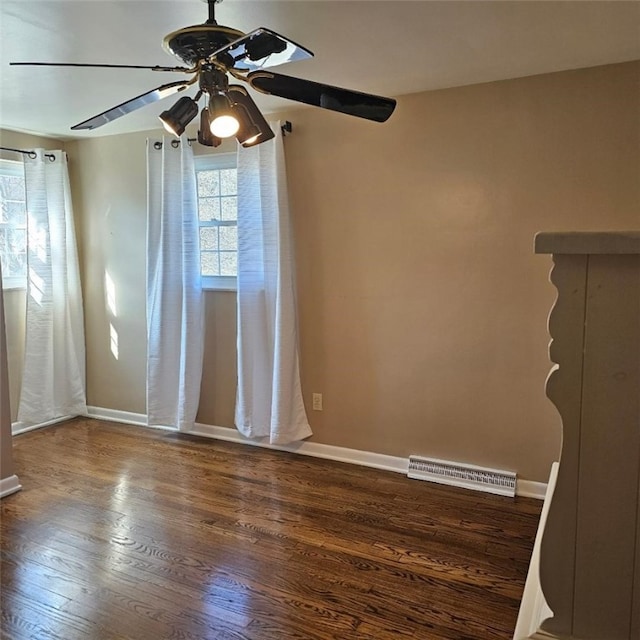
124 532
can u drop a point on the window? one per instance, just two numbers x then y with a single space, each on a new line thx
218 217
13 225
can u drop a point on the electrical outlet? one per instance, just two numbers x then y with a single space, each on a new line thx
317 402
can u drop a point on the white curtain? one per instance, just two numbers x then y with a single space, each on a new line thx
269 397
53 381
174 293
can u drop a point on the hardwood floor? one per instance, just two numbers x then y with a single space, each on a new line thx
131 533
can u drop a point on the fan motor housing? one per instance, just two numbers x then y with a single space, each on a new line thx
199 42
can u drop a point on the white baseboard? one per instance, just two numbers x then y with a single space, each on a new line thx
314 449
525 488
531 489
9 485
113 415
533 607
17 427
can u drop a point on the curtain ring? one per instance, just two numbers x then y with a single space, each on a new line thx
32 154
51 156
175 143
157 145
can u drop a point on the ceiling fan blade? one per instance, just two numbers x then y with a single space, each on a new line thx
103 66
355 103
260 49
131 105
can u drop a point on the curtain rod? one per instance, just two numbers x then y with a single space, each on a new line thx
286 128
32 154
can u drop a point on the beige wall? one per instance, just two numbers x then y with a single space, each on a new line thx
422 306
108 177
15 306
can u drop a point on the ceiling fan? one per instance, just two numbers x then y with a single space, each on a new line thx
213 53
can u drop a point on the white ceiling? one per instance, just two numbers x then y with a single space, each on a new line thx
390 47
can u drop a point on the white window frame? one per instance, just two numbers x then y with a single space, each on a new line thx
207 163
12 168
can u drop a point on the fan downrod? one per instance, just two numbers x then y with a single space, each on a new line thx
212 10
197 43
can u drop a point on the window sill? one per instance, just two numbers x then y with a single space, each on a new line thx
14 284
219 283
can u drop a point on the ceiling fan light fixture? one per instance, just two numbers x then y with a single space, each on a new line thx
251 139
205 137
254 129
176 119
248 133
224 122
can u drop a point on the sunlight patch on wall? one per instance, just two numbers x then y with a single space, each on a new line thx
110 295
110 289
113 335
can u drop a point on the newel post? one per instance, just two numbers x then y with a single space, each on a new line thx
590 551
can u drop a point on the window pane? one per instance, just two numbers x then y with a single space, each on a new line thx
14 212
208 183
228 263
209 263
229 238
218 214
228 182
209 209
229 208
13 216
12 187
209 239
13 252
